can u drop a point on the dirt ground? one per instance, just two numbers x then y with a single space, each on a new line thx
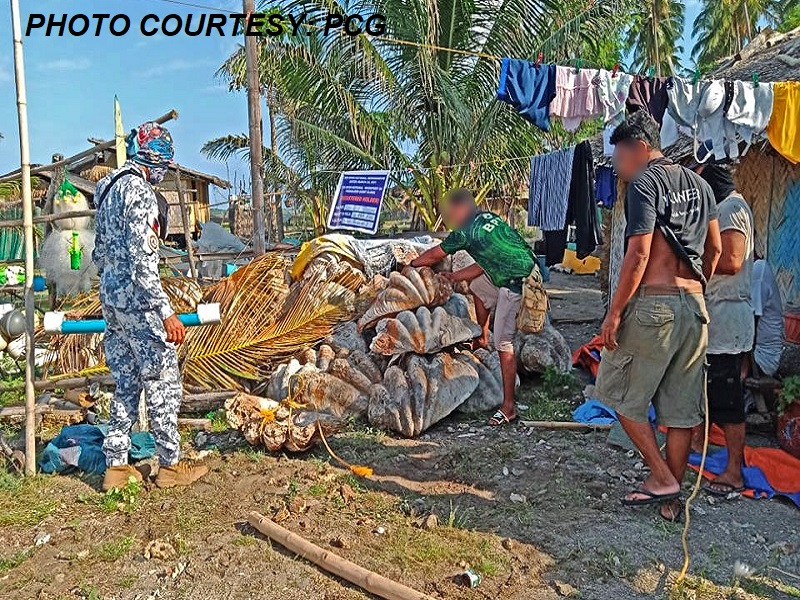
535 512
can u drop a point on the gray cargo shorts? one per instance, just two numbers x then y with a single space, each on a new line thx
661 359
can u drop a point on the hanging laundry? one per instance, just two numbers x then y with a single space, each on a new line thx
554 244
650 94
577 98
613 90
784 126
605 186
582 209
529 89
701 106
548 193
750 109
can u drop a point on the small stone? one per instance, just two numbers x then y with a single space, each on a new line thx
380 530
711 500
639 466
59 578
429 522
508 544
347 493
517 498
473 430
505 471
340 542
565 589
82 554
604 496
630 453
522 407
200 439
517 472
41 538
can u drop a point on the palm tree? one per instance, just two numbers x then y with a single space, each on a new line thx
724 27
655 36
402 102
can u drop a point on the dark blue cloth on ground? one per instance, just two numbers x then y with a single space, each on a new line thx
605 186
529 89
754 477
88 442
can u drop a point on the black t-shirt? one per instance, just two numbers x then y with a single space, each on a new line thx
678 202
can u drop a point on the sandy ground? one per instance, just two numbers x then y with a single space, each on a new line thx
535 512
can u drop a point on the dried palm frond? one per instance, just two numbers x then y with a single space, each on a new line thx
264 321
79 354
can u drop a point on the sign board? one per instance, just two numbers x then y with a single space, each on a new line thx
358 200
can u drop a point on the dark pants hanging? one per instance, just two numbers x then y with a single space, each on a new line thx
582 209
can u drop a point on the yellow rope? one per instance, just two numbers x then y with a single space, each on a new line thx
693 495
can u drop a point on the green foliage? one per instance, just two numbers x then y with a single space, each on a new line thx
115 549
219 422
655 36
428 115
791 19
13 561
124 499
790 393
723 28
558 384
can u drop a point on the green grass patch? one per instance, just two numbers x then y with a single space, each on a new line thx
218 421
124 499
115 549
15 560
24 500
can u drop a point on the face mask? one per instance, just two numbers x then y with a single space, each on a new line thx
156 174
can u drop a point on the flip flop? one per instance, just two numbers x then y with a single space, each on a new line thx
499 419
728 488
651 498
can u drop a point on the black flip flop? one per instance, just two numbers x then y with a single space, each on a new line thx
728 489
652 498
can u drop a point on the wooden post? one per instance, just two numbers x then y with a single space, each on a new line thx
256 138
27 217
185 218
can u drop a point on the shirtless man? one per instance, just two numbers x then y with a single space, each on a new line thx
655 333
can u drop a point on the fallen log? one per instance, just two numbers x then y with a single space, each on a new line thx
205 402
61 384
204 424
565 425
332 563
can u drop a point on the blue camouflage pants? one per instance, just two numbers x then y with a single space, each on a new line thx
141 359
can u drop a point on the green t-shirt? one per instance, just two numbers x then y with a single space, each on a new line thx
500 251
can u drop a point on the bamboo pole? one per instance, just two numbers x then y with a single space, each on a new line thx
169 116
185 218
27 217
256 137
363 578
49 218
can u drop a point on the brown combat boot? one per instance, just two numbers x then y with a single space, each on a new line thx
117 477
183 473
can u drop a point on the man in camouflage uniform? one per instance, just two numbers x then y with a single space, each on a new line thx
141 327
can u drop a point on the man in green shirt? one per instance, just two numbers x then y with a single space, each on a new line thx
503 260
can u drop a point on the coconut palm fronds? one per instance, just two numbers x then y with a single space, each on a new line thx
76 354
264 321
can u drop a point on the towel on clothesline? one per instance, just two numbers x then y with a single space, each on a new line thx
529 88
768 472
548 193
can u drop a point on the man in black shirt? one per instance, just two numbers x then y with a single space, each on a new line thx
655 332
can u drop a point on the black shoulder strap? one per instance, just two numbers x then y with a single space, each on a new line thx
114 179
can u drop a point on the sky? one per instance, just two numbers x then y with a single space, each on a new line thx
71 83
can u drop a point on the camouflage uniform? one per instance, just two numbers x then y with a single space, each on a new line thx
134 307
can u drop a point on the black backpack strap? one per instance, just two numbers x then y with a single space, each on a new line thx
114 179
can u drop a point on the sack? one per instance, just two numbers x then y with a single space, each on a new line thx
534 306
